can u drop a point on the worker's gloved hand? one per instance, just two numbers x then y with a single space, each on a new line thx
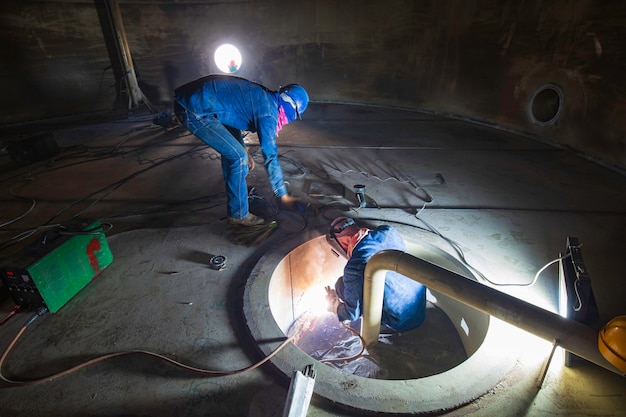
332 301
292 203
288 201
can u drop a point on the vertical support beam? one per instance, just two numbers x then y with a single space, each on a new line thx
132 85
119 52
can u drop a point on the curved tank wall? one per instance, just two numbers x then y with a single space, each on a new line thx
486 61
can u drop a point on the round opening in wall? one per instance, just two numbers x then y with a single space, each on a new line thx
228 58
546 105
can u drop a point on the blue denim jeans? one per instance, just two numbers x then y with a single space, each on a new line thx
233 155
222 102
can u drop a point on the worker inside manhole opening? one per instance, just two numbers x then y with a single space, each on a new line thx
417 338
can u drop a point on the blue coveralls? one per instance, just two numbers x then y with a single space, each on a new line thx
404 301
216 109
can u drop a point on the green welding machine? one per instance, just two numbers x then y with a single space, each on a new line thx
56 266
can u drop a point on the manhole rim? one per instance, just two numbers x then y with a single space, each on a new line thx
473 378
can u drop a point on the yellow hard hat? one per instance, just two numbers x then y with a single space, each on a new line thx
612 342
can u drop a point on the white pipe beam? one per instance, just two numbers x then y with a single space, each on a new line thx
574 337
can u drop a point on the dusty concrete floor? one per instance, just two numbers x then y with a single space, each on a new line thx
507 201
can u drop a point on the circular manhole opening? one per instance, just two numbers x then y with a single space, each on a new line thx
546 105
283 297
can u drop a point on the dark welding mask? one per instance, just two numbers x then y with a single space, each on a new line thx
336 228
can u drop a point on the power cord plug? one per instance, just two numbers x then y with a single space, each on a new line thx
40 311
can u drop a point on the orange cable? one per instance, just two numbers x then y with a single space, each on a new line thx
16 309
128 352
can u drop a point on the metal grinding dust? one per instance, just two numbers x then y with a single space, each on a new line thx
432 348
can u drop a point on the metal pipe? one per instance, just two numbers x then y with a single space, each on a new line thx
135 94
569 334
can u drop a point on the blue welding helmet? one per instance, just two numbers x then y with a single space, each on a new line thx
297 96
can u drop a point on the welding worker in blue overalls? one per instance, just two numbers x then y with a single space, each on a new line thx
217 108
404 300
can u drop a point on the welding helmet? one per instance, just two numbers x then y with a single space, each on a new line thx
295 95
612 342
336 230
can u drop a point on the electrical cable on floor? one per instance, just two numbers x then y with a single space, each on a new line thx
96 157
305 222
114 186
26 234
47 165
348 358
106 153
99 230
109 189
422 209
543 268
461 255
61 230
301 167
16 309
21 216
456 247
259 203
42 311
427 199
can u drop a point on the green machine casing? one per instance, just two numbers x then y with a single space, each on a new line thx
57 266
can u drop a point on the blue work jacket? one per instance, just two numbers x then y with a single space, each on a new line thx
404 302
241 104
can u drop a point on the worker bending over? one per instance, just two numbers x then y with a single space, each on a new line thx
216 108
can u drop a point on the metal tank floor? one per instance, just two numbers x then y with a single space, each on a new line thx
504 201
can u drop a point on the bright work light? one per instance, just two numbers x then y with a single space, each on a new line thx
228 58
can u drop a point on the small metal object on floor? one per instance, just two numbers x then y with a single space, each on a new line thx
217 262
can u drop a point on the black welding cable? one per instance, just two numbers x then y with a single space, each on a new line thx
108 189
199 371
456 247
348 358
33 203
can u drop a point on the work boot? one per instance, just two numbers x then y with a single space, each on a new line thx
249 220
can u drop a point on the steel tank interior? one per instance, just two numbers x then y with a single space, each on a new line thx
508 114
